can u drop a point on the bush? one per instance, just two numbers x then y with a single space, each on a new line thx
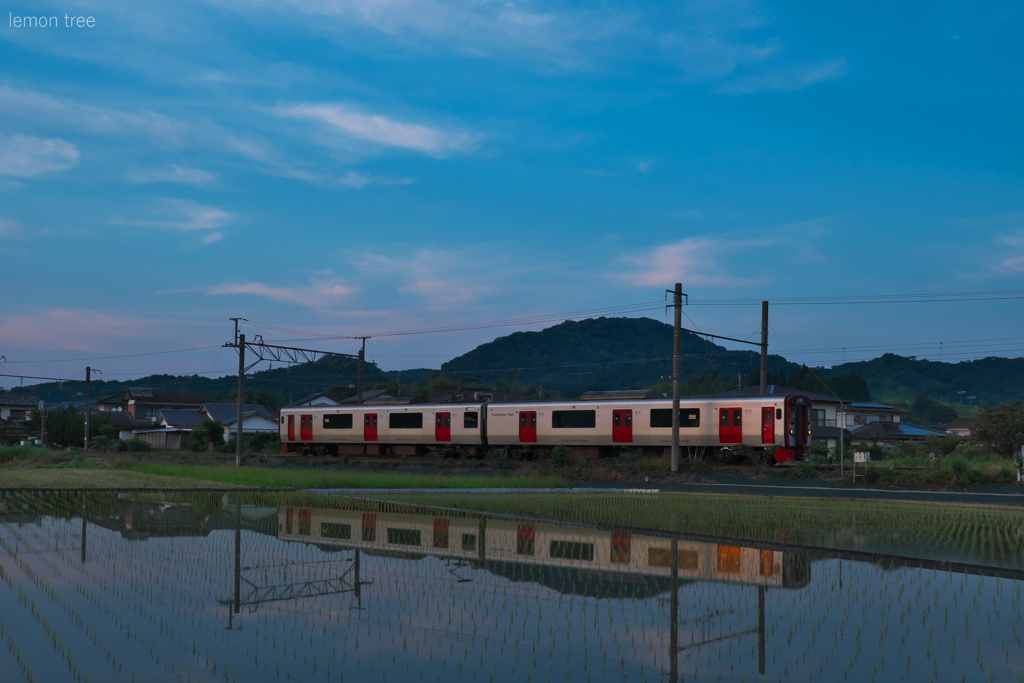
136 445
560 456
821 454
633 455
802 470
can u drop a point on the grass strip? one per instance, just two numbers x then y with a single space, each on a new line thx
304 479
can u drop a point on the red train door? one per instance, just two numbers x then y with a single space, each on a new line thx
443 427
291 428
370 427
730 425
306 427
528 426
622 426
768 425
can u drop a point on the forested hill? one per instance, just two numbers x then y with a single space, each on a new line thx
897 378
603 354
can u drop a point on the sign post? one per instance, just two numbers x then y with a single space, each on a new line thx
860 456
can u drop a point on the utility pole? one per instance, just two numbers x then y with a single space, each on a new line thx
240 341
677 324
764 348
359 372
88 408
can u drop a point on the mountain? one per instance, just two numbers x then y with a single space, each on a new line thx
272 387
603 354
900 379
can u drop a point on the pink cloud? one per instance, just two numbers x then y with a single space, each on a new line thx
70 330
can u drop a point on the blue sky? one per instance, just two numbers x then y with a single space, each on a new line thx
352 167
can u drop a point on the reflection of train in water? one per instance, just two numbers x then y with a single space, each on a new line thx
499 545
589 428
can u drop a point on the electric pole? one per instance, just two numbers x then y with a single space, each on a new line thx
764 348
88 408
240 341
359 372
677 324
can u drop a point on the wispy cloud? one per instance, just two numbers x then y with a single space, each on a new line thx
183 214
1013 249
172 173
378 129
25 156
692 261
787 78
321 293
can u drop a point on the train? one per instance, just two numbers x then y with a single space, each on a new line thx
587 428
499 544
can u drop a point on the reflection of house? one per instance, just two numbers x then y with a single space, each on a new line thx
961 426
15 407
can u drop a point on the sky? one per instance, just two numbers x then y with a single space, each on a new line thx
338 168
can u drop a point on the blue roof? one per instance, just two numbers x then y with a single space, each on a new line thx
871 405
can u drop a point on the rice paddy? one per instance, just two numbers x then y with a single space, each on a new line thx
249 586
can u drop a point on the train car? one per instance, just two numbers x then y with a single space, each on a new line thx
588 428
448 428
537 543
595 428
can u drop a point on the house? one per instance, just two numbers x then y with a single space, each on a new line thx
317 400
961 426
255 418
16 407
125 424
142 403
889 433
368 396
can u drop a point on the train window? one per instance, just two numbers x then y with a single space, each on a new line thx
570 550
469 543
526 535
662 418
737 418
334 530
573 419
660 557
471 420
282 419
728 559
405 420
778 413
343 421
404 536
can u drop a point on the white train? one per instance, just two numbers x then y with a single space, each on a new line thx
589 428
489 542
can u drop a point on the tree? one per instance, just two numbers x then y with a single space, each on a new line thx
926 411
66 427
1000 427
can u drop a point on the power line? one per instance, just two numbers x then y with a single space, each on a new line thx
934 297
124 355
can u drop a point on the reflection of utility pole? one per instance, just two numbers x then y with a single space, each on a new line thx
673 626
760 629
238 554
85 515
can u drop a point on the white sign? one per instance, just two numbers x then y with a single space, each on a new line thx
861 456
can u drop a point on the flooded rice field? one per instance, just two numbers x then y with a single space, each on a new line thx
173 586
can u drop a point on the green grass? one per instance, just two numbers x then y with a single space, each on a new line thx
307 479
32 454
